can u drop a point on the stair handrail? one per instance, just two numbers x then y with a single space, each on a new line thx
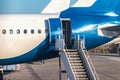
65 48
89 61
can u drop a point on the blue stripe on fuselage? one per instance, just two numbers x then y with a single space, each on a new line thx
27 57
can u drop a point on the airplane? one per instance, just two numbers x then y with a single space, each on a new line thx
28 28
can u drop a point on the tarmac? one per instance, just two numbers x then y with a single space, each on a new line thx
106 65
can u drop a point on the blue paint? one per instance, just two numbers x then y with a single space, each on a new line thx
72 2
103 5
87 24
27 57
22 6
55 29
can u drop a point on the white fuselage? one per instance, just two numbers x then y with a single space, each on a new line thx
20 33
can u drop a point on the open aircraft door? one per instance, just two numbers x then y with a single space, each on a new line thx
60 29
55 30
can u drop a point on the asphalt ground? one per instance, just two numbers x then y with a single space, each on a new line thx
106 65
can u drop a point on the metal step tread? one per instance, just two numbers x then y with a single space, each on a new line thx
75 61
80 73
72 53
69 55
76 64
74 58
73 65
81 79
77 67
80 70
71 50
81 76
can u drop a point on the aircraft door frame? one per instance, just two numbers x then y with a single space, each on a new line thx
67 31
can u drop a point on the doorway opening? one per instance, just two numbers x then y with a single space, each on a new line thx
67 32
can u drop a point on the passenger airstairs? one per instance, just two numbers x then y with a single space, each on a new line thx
73 65
77 62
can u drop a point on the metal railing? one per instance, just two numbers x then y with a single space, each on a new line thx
88 61
66 61
65 48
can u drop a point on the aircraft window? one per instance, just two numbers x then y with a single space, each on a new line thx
11 31
18 31
4 31
32 31
25 31
39 31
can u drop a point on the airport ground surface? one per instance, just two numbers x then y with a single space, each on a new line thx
106 65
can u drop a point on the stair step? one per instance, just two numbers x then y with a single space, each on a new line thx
81 79
80 70
80 73
75 61
71 50
73 55
81 76
77 68
74 58
76 64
